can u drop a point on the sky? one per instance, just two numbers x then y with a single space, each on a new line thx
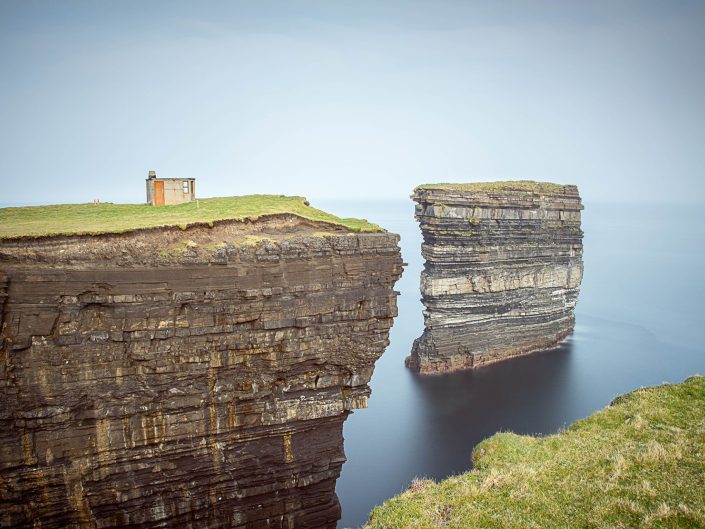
351 98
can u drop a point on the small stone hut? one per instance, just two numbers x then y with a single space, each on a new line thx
168 191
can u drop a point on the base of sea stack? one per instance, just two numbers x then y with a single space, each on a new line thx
426 360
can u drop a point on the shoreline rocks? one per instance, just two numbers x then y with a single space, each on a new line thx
502 273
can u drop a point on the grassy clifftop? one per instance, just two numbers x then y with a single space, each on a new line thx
78 219
640 462
516 186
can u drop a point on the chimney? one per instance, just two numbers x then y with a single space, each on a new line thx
152 174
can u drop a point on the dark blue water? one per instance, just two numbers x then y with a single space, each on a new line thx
640 321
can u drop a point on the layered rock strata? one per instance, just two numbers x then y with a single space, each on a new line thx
502 272
197 378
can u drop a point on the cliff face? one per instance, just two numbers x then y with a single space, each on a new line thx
502 273
167 378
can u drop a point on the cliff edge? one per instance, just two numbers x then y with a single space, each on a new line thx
502 272
187 377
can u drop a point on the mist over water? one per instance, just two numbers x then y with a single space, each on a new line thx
639 323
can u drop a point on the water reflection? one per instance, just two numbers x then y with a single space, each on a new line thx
460 409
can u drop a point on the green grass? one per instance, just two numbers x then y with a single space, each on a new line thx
76 219
510 186
640 462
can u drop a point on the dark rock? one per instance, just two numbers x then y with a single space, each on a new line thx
180 391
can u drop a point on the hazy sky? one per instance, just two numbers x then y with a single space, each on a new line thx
350 98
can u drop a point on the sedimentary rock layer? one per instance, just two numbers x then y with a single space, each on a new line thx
197 378
502 272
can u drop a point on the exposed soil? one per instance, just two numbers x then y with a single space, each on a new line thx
166 244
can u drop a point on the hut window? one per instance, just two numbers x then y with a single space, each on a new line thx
186 186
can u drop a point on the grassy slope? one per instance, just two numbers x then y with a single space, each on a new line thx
73 219
640 462
511 186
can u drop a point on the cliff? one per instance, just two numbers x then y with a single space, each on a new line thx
502 272
192 377
637 463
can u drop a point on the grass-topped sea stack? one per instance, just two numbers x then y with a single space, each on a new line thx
502 273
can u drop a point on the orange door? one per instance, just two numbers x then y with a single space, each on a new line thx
158 193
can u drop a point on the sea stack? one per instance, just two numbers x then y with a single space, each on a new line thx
502 272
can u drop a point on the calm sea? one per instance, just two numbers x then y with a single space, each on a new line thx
640 321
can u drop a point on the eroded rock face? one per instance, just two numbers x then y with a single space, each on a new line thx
170 379
502 273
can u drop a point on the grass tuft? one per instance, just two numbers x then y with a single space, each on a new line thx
507 186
